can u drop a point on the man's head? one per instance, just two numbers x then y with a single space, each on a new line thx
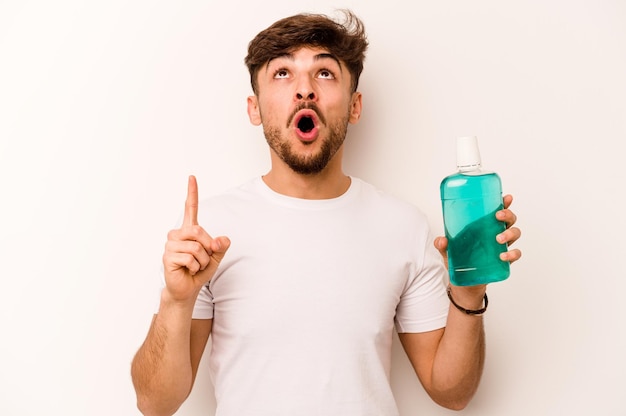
346 40
304 71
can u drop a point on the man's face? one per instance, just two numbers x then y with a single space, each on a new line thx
304 103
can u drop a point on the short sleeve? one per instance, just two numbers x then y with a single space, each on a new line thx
203 309
424 304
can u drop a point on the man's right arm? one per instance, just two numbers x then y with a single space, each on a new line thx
165 366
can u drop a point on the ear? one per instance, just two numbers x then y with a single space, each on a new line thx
356 106
253 110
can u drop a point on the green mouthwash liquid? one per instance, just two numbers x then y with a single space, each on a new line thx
470 199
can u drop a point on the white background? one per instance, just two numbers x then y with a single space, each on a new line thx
106 107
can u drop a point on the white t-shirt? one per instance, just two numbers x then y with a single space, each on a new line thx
305 301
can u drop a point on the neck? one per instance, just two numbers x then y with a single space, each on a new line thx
330 183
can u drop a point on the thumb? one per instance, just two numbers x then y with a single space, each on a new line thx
219 246
441 244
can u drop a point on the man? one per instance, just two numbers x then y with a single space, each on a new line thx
302 306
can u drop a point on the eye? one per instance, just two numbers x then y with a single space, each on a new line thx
326 74
281 73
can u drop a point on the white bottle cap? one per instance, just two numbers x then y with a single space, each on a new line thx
467 154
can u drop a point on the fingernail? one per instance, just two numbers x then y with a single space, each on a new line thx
500 238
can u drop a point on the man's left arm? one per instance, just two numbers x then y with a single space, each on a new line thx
449 361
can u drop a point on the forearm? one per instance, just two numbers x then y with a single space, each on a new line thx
162 370
459 361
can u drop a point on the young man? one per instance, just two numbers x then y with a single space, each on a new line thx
322 267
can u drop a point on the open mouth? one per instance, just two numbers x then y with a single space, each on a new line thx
305 124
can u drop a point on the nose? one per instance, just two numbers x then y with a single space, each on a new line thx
304 95
304 91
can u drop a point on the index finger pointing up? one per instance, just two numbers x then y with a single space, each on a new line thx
191 204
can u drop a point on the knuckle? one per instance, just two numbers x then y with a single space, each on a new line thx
172 234
189 261
167 249
196 249
195 232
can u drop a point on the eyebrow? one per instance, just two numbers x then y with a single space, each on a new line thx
318 57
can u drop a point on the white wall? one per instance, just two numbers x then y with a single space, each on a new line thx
106 107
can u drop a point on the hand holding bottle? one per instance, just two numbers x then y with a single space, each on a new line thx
509 236
471 201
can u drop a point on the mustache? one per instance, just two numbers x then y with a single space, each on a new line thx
308 106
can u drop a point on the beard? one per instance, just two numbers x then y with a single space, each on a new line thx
312 163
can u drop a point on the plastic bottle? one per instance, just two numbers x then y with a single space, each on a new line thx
470 199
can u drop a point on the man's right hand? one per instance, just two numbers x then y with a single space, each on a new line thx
191 255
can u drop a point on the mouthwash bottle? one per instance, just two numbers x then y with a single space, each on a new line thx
470 199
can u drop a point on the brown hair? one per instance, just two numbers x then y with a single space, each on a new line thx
346 40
